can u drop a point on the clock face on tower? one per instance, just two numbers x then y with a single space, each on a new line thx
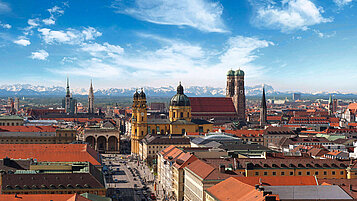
142 114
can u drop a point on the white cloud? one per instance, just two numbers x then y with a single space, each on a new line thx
48 21
324 35
70 36
200 14
5 26
4 7
54 12
341 3
33 22
287 15
40 55
91 33
22 41
173 61
98 50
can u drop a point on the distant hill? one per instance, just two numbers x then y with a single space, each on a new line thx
32 90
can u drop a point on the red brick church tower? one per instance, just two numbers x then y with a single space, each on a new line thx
235 90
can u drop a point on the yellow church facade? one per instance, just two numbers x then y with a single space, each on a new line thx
179 122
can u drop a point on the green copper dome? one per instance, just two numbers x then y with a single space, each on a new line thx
230 73
239 73
180 99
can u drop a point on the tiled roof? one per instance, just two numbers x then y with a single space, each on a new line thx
317 151
166 140
232 189
51 152
28 128
50 180
212 105
278 180
274 118
200 168
246 133
42 197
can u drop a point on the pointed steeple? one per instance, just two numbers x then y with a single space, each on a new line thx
263 110
91 99
264 103
91 88
68 93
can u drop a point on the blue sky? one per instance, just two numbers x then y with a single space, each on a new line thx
293 45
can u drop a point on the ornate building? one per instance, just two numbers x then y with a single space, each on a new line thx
330 106
69 103
235 90
91 99
179 121
263 111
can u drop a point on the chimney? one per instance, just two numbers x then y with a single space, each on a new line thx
260 182
351 187
222 168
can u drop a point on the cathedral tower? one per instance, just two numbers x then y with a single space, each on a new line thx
69 103
235 90
330 106
263 110
91 99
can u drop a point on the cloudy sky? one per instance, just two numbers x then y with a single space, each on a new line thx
298 45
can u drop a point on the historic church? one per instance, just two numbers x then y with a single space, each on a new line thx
190 114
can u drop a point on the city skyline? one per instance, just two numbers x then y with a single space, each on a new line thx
158 43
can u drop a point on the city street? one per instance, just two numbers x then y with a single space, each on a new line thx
125 181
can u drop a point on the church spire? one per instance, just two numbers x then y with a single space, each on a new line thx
263 110
68 93
91 99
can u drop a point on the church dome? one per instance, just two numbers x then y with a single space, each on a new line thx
142 94
136 95
239 73
180 99
230 73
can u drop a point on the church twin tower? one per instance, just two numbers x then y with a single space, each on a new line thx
235 90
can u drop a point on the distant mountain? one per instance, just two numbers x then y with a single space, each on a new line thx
31 90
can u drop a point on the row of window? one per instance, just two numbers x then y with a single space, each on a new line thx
9 124
299 173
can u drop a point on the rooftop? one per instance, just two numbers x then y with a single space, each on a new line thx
51 152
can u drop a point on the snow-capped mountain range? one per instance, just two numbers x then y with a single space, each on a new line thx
33 90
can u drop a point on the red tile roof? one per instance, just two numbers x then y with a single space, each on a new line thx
51 152
246 133
232 189
28 128
201 168
212 105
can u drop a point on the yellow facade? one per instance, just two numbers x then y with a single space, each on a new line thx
139 121
320 173
180 120
179 113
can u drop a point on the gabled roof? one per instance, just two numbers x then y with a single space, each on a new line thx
232 189
51 152
200 168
